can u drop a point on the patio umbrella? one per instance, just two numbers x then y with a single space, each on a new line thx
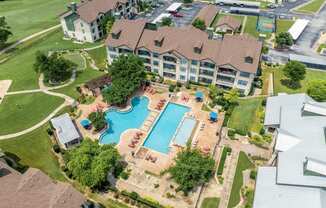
85 123
213 116
199 95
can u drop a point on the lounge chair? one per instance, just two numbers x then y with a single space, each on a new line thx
154 159
131 146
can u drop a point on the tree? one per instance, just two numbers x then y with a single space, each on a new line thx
55 68
191 169
284 39
166 21
127 73
90 163
107 23
199 23
317 90
294 71
98 120
232 96
213 91
187 1
5 33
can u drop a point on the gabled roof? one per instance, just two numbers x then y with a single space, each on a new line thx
229 21
207 14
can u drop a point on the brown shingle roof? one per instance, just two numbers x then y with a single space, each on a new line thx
229 21
130 33
98 82
34 189
89 10
207 14
182 41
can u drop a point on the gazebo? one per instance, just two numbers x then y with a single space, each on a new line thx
213 116
199 96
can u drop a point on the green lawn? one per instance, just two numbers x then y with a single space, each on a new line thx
77 59
279 76
19 66
99 56
243 164
250 27
210 202
34 150
26 17
312 7
283 25
246 116
19 112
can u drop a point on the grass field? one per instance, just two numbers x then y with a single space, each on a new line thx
34 150
19 112
26 17
279 76
246 116
243 164
283 25
311 7
19 66
250 27
77 59
99 56
210 202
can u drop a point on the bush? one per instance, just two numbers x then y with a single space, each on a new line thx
231 133
56 148
179 84
49 131
124 175
224 154
242 132
262 131
253 174
268 138
172 88
187 85
263 103
258 141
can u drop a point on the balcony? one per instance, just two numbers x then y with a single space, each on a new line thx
224 79
225 71
143 53
207 65
123 50
206 73
170 59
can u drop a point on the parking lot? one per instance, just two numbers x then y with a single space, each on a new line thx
187 13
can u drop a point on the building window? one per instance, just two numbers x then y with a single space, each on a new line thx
81 24
168 66
184 61
155 63
84 38
183 69
156 55
170 59
94 37
93 30
83 31
242 82
192 78
207 65
194 62
245 74
193 70
144 53
155 70
182 77
92 24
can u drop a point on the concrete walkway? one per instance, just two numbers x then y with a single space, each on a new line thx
28 38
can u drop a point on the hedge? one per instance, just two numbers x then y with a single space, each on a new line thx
225 152
145 202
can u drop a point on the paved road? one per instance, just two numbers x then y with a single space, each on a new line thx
28 38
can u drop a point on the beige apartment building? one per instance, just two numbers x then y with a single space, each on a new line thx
83 21
188 54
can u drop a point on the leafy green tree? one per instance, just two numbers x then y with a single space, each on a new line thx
294 71
213 91
107 23
199 23
166 21
191 169
284 39
55 68
232 96
5 33
127 73
98 120
90 163
317 90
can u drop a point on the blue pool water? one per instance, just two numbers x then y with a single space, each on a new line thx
161 134
119 121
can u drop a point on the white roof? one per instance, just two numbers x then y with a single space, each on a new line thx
65 128
316 166
160 17
298 27
285 141
173 7
314 108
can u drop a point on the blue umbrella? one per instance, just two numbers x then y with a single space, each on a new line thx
213 116
199 95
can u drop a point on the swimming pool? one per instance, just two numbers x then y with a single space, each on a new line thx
162 132
119 121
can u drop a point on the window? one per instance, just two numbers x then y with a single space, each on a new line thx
170 59
168 66
81 24
194 62
156 55
155 70
155 63
245 74
144 53
242 82
193 70
207 65
83 31
92 24
184 61
192 78
93 30
111 48
182 77
183 69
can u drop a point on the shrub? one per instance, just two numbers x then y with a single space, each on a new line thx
263 103
268 138
187 85
253 174
262 131
224 154
231 133
257 140
124 175
56 148
242 132
156 185
179 84
49 131
249 133
172 88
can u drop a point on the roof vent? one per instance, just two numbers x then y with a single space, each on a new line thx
116 34
198 47
158 41
249 60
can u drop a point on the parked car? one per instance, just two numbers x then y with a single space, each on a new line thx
177 15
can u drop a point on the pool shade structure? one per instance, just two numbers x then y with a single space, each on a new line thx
213 116
85 123
199 96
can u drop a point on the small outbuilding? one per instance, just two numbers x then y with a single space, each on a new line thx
228 24
99 83
66 132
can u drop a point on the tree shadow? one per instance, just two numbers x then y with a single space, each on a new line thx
14 161
291 84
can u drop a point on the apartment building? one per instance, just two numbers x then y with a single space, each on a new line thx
187 54
83 21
